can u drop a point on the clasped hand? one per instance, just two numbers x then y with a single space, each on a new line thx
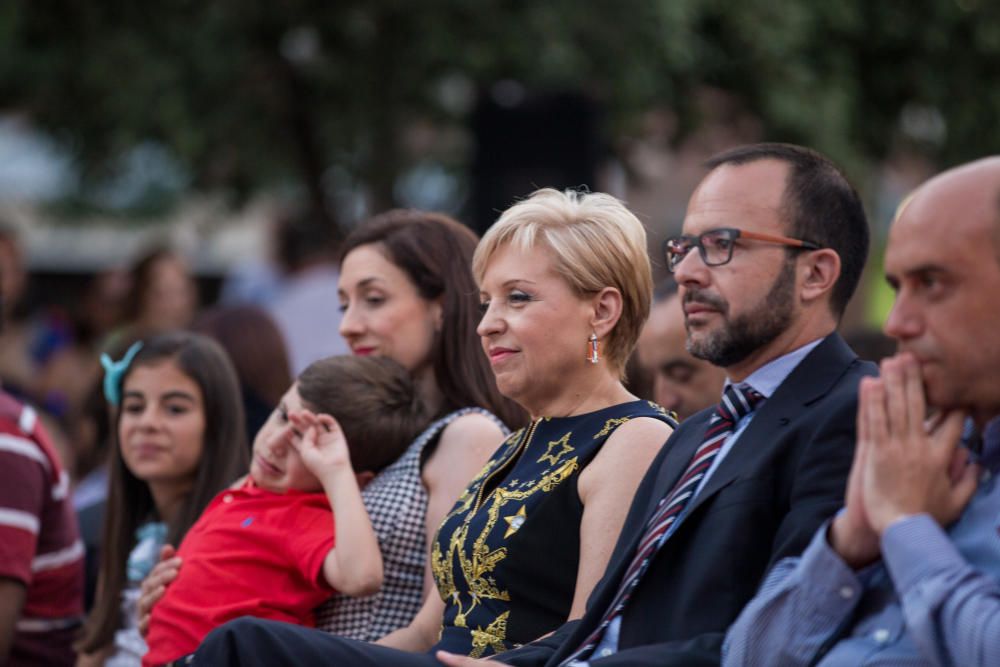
903 463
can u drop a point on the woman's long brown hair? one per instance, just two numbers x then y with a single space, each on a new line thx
130 503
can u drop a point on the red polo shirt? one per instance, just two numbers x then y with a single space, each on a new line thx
251 553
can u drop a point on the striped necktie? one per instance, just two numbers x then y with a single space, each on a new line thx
737 402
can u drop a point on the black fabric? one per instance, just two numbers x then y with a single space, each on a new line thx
506 557
252 642
783 478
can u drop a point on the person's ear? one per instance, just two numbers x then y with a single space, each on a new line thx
437 313
820 270
607 305
364 477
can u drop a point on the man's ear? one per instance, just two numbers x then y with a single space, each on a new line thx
607 306
364 477
820 270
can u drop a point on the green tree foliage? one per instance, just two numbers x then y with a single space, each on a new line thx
249 93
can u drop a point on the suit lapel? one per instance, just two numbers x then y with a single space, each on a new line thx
812 379
682 449
808 382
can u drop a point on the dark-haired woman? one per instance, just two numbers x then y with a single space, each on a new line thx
178 441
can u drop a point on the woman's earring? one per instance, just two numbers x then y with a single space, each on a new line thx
593 356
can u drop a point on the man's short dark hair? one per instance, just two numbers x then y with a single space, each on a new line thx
820 205
375 402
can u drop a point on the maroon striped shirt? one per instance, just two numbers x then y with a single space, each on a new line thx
39 541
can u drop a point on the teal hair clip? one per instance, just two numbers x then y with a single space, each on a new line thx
113 372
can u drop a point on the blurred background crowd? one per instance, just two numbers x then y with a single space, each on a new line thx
176 164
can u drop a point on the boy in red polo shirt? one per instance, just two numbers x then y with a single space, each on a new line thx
267 547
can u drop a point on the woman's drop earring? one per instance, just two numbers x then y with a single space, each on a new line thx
593 356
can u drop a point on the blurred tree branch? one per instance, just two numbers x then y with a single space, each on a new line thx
248 93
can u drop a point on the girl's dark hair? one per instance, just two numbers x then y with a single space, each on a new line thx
224 458
435 252
374 400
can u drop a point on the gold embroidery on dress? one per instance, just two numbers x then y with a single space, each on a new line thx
662 410
493 637
515 521
610 425
563 444
478 563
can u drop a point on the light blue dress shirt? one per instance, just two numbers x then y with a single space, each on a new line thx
765 380
934 599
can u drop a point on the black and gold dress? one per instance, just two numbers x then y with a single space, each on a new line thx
505 559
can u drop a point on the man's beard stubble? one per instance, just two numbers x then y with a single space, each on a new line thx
742 336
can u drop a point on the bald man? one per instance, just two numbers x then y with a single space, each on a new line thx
681 382
908 573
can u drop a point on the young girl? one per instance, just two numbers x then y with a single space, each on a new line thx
179 440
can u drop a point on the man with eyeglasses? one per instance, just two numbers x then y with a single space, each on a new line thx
774 242
909 572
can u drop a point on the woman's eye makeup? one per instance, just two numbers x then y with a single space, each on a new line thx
517 296
512 298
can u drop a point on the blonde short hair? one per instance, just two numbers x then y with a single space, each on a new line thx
595 241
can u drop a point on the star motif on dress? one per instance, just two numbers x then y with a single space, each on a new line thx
565 448
515 521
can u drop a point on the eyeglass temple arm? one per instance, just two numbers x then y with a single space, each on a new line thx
783 240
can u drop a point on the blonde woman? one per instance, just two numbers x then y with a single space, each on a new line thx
565 286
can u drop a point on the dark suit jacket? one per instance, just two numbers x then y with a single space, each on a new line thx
783 478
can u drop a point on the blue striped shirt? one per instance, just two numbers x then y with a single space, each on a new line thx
934 599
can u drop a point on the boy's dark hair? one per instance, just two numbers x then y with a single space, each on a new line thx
375 401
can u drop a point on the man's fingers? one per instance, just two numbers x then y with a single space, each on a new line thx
959 462
895 396
947 437
878 420
916 405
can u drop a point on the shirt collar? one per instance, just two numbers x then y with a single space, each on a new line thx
769 377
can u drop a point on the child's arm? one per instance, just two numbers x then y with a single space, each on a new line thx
354 566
